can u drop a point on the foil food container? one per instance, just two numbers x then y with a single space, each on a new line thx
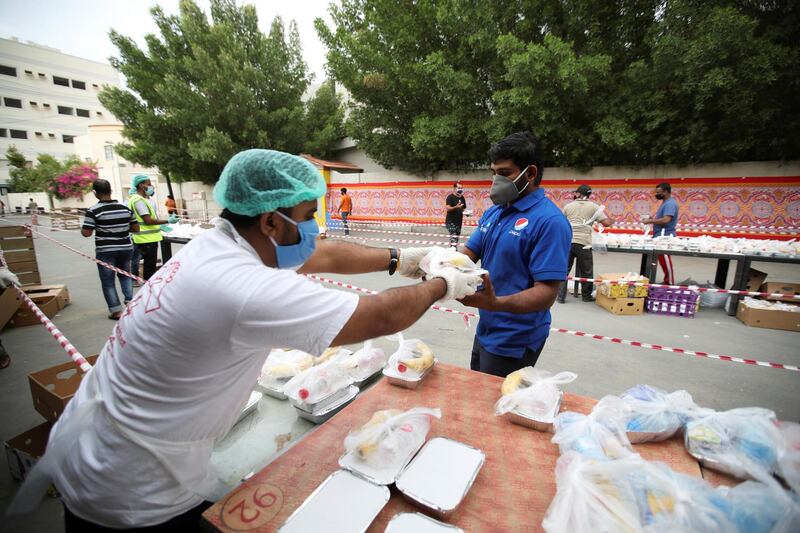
419 523
251 405
638 437
441 474
544 424
395 378
332 398
698 453
369 379
275 390
329 410
380 476
343 503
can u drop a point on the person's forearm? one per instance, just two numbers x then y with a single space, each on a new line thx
538 298
403 306
346 258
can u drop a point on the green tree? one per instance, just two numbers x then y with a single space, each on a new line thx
206 89
324 121
434 82
29 177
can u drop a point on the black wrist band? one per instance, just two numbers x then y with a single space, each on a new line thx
393 262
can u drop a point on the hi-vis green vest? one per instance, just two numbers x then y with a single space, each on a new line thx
146 233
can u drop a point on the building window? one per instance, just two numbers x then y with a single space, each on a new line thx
3 132
18 134
78 84
8 71
13 102
68 138
58 80
62 110
51 135
46 105
95 86
38 133
34 104
109 149
29 72
82 113
43 75
99 113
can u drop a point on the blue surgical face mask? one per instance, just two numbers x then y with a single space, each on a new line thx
150 191
293 256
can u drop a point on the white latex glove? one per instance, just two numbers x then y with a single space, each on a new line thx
409 261
459 284
7 278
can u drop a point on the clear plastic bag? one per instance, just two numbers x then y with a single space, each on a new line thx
789 454
439 258
599 435
318 382
284 364
599 241
331 353
656 413
412 358
741 442
537 395
755 507
592 496
365 362
390 436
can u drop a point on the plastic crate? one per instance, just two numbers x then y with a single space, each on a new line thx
672 302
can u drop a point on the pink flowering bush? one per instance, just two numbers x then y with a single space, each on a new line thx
74 183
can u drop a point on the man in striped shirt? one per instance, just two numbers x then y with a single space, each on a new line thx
112 223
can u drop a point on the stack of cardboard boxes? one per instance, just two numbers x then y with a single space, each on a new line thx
621 299
786 316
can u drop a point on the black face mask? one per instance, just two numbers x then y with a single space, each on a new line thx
659 196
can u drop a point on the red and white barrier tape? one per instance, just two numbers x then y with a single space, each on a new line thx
616 340
685 287
398 224
56 333
87 256
658 347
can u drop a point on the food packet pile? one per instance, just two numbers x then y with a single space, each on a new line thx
364 362
390 436
284 364
531 392
599 436
412 358
654 414
318 382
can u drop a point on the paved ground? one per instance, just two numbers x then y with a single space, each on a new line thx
602 367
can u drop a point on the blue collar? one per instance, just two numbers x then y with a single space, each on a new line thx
529 200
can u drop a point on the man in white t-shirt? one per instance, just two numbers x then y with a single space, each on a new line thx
133 445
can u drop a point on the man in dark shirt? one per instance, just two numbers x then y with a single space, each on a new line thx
455 205
112 223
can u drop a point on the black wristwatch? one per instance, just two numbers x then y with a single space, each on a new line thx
394 261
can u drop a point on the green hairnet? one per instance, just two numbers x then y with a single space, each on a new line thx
136 181
259 181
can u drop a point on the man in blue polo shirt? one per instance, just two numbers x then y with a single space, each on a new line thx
664 224
524 242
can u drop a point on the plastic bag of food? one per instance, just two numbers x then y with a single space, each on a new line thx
439 258
531 392
284 364
789 454
390 436
318 382
331 353
741 442
654 413
592 496
599 435
599 241
754 506
365 362
412 358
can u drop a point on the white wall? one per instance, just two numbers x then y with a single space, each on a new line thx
22 199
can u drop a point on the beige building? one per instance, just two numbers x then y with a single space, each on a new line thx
47 99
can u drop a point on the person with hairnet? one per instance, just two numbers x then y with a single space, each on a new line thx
133 445
145 241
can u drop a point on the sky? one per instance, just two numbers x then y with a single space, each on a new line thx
80 27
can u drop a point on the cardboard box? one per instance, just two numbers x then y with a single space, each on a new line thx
9 304
783 287
621 306
29 278
621 291
43 293
11 231
16 243
52 388
755 280
15 257
25 449
768 318
49 305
